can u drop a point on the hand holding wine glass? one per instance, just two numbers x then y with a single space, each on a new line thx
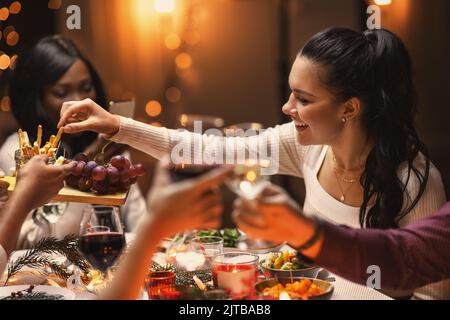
189 204
273 216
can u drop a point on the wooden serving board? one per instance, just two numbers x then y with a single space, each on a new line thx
68 194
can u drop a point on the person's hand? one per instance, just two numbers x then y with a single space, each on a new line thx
191 204
273 217
3 190
86 115
38 182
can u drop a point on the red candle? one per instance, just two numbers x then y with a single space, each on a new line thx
236 273
158 282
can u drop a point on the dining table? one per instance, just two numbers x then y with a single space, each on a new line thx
343 289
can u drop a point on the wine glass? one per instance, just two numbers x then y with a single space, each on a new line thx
101 237
248 181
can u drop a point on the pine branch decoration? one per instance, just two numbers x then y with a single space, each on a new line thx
37 257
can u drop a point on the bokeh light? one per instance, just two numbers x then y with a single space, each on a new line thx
183 61
173 41
153 108
164 6
15 7
54 4
12 38
173 94
12 64
5 61
4 14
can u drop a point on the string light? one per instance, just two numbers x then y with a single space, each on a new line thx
12 38
173 41
8 30
54 4
383 2
15 7
164 6
5 61
153 108
4 14
183 61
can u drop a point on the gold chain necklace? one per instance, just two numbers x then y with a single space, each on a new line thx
351 180
342 189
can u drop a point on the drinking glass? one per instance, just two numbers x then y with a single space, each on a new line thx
101 237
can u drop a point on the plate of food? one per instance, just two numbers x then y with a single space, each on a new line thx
297 288
26 292
287 264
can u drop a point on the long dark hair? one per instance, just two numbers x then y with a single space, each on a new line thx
375 67
40 65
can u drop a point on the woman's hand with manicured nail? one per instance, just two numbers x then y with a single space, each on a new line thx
86 115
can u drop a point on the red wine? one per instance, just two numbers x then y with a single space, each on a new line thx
183 172
102 249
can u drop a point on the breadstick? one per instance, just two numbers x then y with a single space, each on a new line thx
58 137
26 140
39 136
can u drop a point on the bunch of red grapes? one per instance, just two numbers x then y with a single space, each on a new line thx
116 176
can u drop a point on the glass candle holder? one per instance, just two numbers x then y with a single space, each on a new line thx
22 159
208 246
236 272
158 282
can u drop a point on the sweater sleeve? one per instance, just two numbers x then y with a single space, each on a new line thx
432 199
277 144
408 258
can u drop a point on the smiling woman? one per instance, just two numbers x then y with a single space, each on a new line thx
352 138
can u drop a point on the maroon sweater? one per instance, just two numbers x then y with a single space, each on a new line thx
408 258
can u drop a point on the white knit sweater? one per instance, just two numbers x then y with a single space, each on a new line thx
304 162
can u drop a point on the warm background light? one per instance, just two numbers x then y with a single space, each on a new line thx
12 38
4 14
4 62
183 61
164 6
383 2
15 7
5 104
12 64
153 108
54 4
173 94
173 41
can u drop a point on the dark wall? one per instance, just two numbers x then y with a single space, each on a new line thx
34 21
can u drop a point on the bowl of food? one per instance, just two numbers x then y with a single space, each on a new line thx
286 264
297 288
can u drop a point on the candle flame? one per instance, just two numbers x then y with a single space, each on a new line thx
284 296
